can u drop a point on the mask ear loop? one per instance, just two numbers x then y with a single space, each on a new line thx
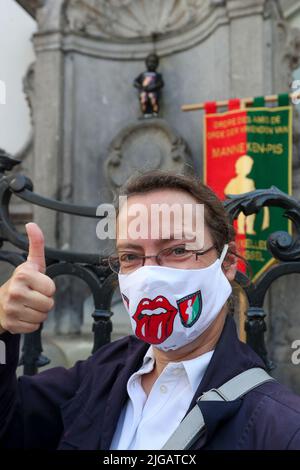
224 253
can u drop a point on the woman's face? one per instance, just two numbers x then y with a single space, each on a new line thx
159 220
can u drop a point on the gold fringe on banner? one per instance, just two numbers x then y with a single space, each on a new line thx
244 102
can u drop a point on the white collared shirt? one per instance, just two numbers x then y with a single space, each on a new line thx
148 422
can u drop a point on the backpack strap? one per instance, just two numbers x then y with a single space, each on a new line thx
193 425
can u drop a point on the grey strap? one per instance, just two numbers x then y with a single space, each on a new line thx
193 425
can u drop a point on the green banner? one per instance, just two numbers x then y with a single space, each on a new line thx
246 150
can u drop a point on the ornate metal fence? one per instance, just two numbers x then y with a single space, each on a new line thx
102 283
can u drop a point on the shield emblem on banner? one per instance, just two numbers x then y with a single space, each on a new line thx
190 308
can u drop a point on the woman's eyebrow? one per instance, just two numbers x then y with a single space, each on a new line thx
173 237
132 246
161 241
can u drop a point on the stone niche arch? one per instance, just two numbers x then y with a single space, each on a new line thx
147 144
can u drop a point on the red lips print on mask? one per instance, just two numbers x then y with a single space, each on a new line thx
154 319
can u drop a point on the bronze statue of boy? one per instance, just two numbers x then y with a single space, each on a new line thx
149 84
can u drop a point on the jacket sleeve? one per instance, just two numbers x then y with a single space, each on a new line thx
30 406
294 443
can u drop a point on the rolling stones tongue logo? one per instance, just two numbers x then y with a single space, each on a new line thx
154 319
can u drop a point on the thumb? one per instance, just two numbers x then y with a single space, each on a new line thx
36 251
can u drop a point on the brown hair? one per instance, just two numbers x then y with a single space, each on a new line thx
215 215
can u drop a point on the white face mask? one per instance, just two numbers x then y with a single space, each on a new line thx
171 307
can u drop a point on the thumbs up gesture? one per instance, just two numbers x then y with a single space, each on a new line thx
27 297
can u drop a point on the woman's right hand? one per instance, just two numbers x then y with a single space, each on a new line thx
27 297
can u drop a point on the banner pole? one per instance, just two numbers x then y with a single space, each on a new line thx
244 101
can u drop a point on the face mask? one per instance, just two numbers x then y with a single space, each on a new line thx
171 307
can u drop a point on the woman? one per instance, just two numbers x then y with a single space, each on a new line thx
134 392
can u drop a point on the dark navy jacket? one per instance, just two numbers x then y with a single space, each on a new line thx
79 408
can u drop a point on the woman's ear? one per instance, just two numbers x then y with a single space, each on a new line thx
230 262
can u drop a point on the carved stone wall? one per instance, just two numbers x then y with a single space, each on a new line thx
147 144
132 19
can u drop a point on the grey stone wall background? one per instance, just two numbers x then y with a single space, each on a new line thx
82 99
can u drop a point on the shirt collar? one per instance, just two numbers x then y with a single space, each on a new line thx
194 368
149 356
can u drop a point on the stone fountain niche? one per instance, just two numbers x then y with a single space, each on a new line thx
87 131
147 144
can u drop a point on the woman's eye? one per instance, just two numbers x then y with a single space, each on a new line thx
179 250
128 257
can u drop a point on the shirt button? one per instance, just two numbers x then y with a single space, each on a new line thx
163 389
177 371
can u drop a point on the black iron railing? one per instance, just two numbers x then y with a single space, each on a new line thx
282 246
86 266
102 283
